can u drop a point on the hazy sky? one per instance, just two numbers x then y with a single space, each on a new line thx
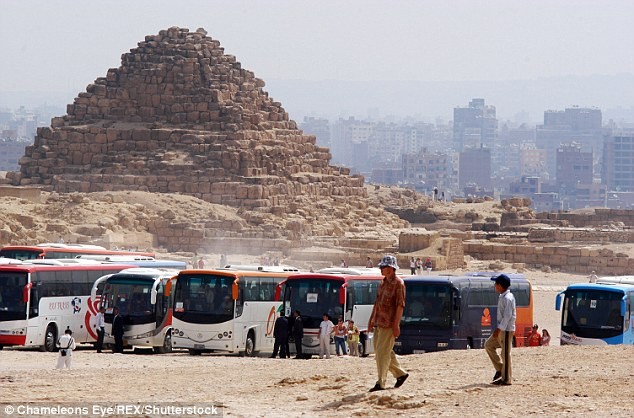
61 46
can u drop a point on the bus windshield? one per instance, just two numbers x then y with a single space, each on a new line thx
132 295
592 311
313 298
20 254
203 298
427 306
12 306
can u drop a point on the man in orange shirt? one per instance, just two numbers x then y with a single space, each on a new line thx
385 320
534 339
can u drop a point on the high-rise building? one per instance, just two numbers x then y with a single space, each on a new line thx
574 167
474 126
474 168
618 162
578 124
425 170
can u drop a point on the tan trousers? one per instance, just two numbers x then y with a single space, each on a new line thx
501 363
385 357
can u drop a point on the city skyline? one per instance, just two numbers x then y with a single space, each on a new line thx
406 57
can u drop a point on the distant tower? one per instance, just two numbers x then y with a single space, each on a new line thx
474 126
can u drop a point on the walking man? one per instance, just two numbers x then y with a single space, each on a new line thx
385 320
502 337
298 334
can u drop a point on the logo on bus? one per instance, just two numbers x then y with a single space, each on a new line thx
486 318
76 302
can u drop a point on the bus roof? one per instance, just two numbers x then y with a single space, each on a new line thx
236 273
34 267
351 271
149 272
336 277
610 287
455 279
616 279
255 267
114 257
61 245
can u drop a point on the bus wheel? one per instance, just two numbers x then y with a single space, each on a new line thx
249 345
193 352
167 345
50 339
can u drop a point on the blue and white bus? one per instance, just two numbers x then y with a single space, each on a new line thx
458 312
597 313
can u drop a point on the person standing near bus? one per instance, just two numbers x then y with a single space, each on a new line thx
353 338
341 334
117 331
326 328
66 345
101 328
545 338
502 337
280 332
385 320
298 334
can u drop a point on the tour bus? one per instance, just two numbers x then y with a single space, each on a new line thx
143 298
597 313
458 312
137 260
39 299
225 310
60 251
350 296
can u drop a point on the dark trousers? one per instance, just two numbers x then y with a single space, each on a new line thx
281 345
118 343
100 334
298 346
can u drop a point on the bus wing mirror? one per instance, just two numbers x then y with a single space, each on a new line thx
153 296
95 286
278 290
457 303
234 290
342 295
26 290
168 287
558 301
624 306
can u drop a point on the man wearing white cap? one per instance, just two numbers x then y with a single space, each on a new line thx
385 320
502 337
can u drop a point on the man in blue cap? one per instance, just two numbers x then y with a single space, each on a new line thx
385 320
503 335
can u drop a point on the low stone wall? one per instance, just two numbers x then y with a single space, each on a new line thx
580 260
598 218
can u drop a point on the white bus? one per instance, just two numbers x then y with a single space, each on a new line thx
225 310
40 299
143 298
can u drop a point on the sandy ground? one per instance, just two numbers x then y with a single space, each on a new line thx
555 380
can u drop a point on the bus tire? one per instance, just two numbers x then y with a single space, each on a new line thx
193 352
167 344
249 345
50 339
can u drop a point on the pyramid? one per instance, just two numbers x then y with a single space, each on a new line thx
180 115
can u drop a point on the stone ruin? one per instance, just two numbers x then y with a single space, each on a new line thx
181 116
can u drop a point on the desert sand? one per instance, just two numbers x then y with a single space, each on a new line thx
555 380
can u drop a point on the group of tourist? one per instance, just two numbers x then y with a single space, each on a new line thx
536 340
416 265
